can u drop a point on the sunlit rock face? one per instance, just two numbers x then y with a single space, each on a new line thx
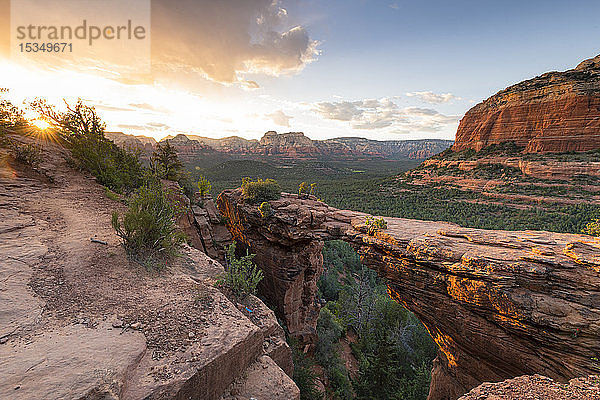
498 304
554 112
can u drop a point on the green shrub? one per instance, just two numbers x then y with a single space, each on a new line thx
264 209
11 120
375 224
261 190
204 186
82 132
111 195
329 332
148 228
113 167
303 189
304 374
187 184
242 275
28 154
592 228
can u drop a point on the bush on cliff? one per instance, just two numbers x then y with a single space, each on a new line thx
242 275
165 163
304 189
592 228
305 376
375 224
28 154
261 190
204 186
11 119
148 228
265 209
82 132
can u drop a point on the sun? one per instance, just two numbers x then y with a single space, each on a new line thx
41 124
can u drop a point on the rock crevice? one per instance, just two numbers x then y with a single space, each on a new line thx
498 304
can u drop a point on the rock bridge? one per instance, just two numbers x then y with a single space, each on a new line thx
498 304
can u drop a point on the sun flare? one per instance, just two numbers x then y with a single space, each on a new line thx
41 124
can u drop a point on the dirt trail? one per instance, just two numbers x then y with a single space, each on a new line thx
79 320
84 281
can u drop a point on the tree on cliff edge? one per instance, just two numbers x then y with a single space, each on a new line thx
165 162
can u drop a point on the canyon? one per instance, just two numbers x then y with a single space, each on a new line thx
498 304
554 112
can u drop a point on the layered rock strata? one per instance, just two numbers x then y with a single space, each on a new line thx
554 112
498 304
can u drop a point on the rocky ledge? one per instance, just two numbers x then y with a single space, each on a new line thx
80 320
554 112
537 387
498 304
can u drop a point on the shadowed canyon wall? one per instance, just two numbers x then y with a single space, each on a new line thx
498 304
554 112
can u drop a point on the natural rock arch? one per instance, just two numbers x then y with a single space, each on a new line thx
498 304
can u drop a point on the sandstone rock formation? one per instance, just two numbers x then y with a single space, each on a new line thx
554 112
287 146
201 222
292 144
498 304
80 320
188 149
546 168
537 387
145 145
297 145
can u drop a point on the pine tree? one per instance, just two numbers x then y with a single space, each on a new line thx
165 162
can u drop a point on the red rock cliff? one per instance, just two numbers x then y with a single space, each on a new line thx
554 112
498 304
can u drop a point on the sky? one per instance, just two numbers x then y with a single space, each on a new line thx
380 69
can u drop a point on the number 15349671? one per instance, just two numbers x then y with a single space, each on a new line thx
48 47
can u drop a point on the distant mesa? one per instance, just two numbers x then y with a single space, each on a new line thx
555 112
290 145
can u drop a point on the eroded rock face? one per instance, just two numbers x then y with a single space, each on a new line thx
498 304
201 222
554 112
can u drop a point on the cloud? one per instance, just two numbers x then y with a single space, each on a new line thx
224 40
395 6
279 118
249 84
433 98
147 107
105 107
362 114
152 126
373 114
